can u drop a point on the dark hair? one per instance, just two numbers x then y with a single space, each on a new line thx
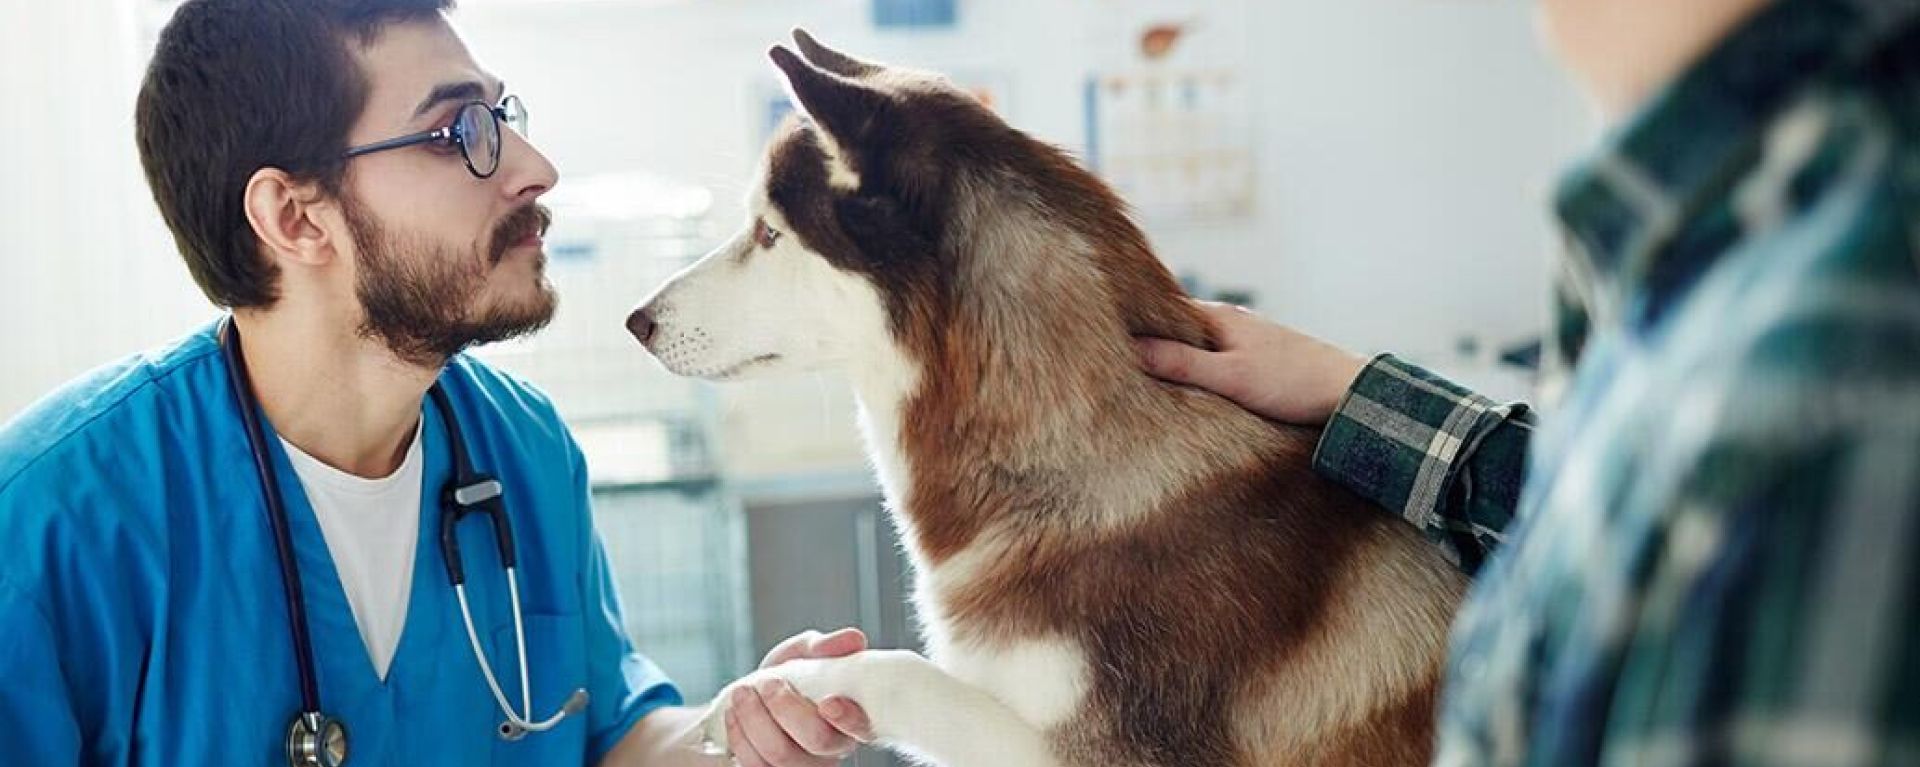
240 85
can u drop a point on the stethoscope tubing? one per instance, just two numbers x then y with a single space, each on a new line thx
276 519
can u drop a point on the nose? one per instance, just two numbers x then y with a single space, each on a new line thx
526 172
640 324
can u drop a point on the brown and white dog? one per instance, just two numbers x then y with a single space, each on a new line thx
1111 570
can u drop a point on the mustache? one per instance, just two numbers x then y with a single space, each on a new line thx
533 218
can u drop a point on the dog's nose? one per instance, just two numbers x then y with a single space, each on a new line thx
640 324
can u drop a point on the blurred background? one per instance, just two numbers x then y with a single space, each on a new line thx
1374 171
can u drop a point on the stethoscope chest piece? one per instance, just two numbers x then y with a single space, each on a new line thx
316 740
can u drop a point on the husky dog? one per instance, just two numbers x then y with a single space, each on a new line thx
1110 570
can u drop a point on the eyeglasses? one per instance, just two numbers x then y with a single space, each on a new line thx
475 129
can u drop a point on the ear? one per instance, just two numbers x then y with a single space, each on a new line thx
831 60
841 107
282 213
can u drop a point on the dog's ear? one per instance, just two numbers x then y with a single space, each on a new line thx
831 60
843 108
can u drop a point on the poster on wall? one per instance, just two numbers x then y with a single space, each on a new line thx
1168 109
1178 143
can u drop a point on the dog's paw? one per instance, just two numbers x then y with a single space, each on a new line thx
871 679
806 676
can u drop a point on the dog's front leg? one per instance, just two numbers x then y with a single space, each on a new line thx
914 706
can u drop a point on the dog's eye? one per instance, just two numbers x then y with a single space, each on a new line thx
765 235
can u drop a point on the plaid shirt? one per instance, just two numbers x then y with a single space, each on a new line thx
1716 554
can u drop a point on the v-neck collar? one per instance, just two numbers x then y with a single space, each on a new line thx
347 678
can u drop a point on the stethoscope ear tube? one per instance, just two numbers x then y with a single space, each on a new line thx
474 493
450 522
455 511
450 547
516 725
310 719
471 493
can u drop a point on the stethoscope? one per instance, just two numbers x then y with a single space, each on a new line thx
313 738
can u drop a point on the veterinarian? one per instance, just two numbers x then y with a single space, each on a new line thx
242 549
1714 554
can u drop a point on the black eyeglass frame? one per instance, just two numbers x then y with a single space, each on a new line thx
510 109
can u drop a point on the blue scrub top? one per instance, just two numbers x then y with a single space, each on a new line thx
142 618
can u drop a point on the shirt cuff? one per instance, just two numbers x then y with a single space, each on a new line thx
1401 435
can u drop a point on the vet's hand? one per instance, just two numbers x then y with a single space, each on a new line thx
1274 371
772 725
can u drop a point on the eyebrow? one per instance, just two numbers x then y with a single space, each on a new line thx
467 90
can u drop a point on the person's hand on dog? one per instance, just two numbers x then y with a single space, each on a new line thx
1275 371
773 725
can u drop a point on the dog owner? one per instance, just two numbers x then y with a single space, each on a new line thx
345 178
1714 557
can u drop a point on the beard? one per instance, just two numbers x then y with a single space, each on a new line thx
420 298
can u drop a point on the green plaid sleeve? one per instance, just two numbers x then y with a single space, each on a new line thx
1447 460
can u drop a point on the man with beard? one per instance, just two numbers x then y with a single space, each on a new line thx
218 553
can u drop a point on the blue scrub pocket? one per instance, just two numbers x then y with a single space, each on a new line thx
556 666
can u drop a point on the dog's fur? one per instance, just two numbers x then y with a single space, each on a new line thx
1111 570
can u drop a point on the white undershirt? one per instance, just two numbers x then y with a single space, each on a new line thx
371 527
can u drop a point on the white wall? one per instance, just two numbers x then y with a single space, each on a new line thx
87 272
1406 148
1411 147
